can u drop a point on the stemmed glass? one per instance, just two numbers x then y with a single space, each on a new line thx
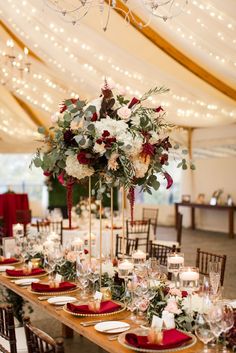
189 282
93 275
131 286
227 322
59 257
215 316
82 273
125 271
175 261
214 274
49 265
203 331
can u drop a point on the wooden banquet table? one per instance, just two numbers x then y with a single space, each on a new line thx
73 322
229 209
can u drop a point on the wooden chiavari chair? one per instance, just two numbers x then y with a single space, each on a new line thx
48 226
160 252
39 341
11 340
202 262
139 229
130 246
152 214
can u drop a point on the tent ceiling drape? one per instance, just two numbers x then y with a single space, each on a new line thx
72 60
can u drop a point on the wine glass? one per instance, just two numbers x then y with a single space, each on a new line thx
215 316
82 274
203 331
227 322
214 274
175 261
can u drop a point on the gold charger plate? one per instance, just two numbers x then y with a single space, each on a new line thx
96 314
27 276
53 293
140 331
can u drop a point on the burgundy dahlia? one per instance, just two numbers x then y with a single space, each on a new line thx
84 157
69 138
147 150
105 133
163 158
94 117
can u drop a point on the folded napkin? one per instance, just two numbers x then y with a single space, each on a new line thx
20 273
63 286
8 261
106 307
171 339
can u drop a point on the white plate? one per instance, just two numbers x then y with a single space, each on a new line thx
6 267
112 327
26 281
61 300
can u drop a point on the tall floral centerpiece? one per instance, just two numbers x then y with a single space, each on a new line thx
120 141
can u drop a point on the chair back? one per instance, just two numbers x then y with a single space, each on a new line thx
24 217
152 214
160 252
139 229
130 245
39 341
7 327
48 226
179 228
202 262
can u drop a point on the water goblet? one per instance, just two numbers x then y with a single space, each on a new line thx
203 331
175 261
227 322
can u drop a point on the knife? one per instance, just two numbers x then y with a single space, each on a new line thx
91 323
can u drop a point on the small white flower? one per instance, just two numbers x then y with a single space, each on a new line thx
124 113
99 148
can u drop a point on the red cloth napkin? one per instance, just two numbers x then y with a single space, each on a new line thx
106 307
20 273
8 261
40 287
171 339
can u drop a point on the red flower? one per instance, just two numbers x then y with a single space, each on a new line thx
60 178
94 117
133 102
158 109
169 180
84 157
86 251
147 150
99 141
47 173
163 158
105 133
165 143
63 107
69 138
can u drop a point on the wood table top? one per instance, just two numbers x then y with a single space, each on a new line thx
73 322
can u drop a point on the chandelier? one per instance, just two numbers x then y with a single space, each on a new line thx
75 10
14 65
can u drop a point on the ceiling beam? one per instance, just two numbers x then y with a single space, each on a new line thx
30 112
174 53
19 42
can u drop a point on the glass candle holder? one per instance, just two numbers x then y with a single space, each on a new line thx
139 257
189 279
175 261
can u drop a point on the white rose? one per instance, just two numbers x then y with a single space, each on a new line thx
124 113
77 170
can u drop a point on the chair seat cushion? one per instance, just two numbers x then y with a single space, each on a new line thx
166 243
20 341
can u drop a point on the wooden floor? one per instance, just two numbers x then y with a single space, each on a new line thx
214 242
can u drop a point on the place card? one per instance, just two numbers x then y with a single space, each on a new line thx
98 295
58 278
157 322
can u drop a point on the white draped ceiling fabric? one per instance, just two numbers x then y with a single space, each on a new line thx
70 61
